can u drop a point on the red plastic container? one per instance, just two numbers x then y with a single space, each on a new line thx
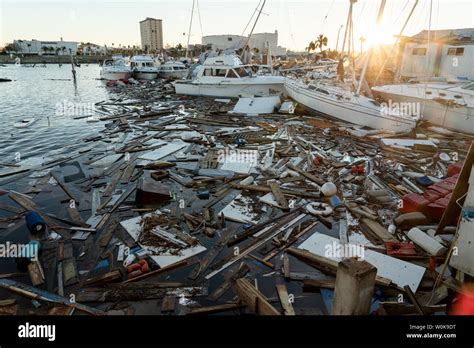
455 168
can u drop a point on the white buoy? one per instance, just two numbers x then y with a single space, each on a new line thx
329 189
426 242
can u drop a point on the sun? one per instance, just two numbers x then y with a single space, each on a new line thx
378 37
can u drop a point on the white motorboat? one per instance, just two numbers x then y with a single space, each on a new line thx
173 70
227 76
115 69
446 105
340 103
144 67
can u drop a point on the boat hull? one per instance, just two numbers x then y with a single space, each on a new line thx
351 113
459 118
145 75
228 90
113 75
178 74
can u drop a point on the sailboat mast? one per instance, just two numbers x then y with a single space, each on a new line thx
251 31
340 67
190 27
369 56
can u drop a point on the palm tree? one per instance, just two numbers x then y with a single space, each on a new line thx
63 48
57 50
311 47
45 49
321 41
51 49
362 40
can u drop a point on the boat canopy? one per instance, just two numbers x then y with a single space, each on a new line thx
224 60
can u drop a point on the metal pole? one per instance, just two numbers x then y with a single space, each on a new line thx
189 32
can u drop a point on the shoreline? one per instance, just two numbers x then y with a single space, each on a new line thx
5 59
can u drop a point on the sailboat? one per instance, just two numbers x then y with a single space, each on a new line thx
442 104
338 99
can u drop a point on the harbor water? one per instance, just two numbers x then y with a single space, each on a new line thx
59 106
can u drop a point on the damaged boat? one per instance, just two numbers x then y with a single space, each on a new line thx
227 76
446 105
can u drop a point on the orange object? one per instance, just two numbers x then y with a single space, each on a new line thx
432 264
464 304
133 267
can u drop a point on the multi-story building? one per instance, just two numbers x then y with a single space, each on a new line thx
151 32
258 41
37 47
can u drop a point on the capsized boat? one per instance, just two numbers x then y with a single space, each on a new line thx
173 70
443 104
24 123
227 76
332 99
144 67
115 69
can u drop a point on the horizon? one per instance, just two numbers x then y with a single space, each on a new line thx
112 23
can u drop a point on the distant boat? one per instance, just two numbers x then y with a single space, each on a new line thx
115 69
5 80
144 67
446 105
227 76
173 70
24 123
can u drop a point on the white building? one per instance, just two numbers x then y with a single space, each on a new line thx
46 47
449 54
151 32
259 41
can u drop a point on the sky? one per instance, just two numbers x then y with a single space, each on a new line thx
298 21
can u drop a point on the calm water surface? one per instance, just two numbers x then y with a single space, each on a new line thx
49 95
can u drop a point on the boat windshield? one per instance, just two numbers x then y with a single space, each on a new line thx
242 72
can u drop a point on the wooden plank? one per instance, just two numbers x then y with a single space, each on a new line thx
127 174
11 208
278 195
76 217
379 230
434 297
113 184
38 294
253 298
285 299
413 300
210 256
108 277
320 283
168 304
226 285
286 266
462 185
355 284
325 264
60 279
64 188
36 274
215 309
308 176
